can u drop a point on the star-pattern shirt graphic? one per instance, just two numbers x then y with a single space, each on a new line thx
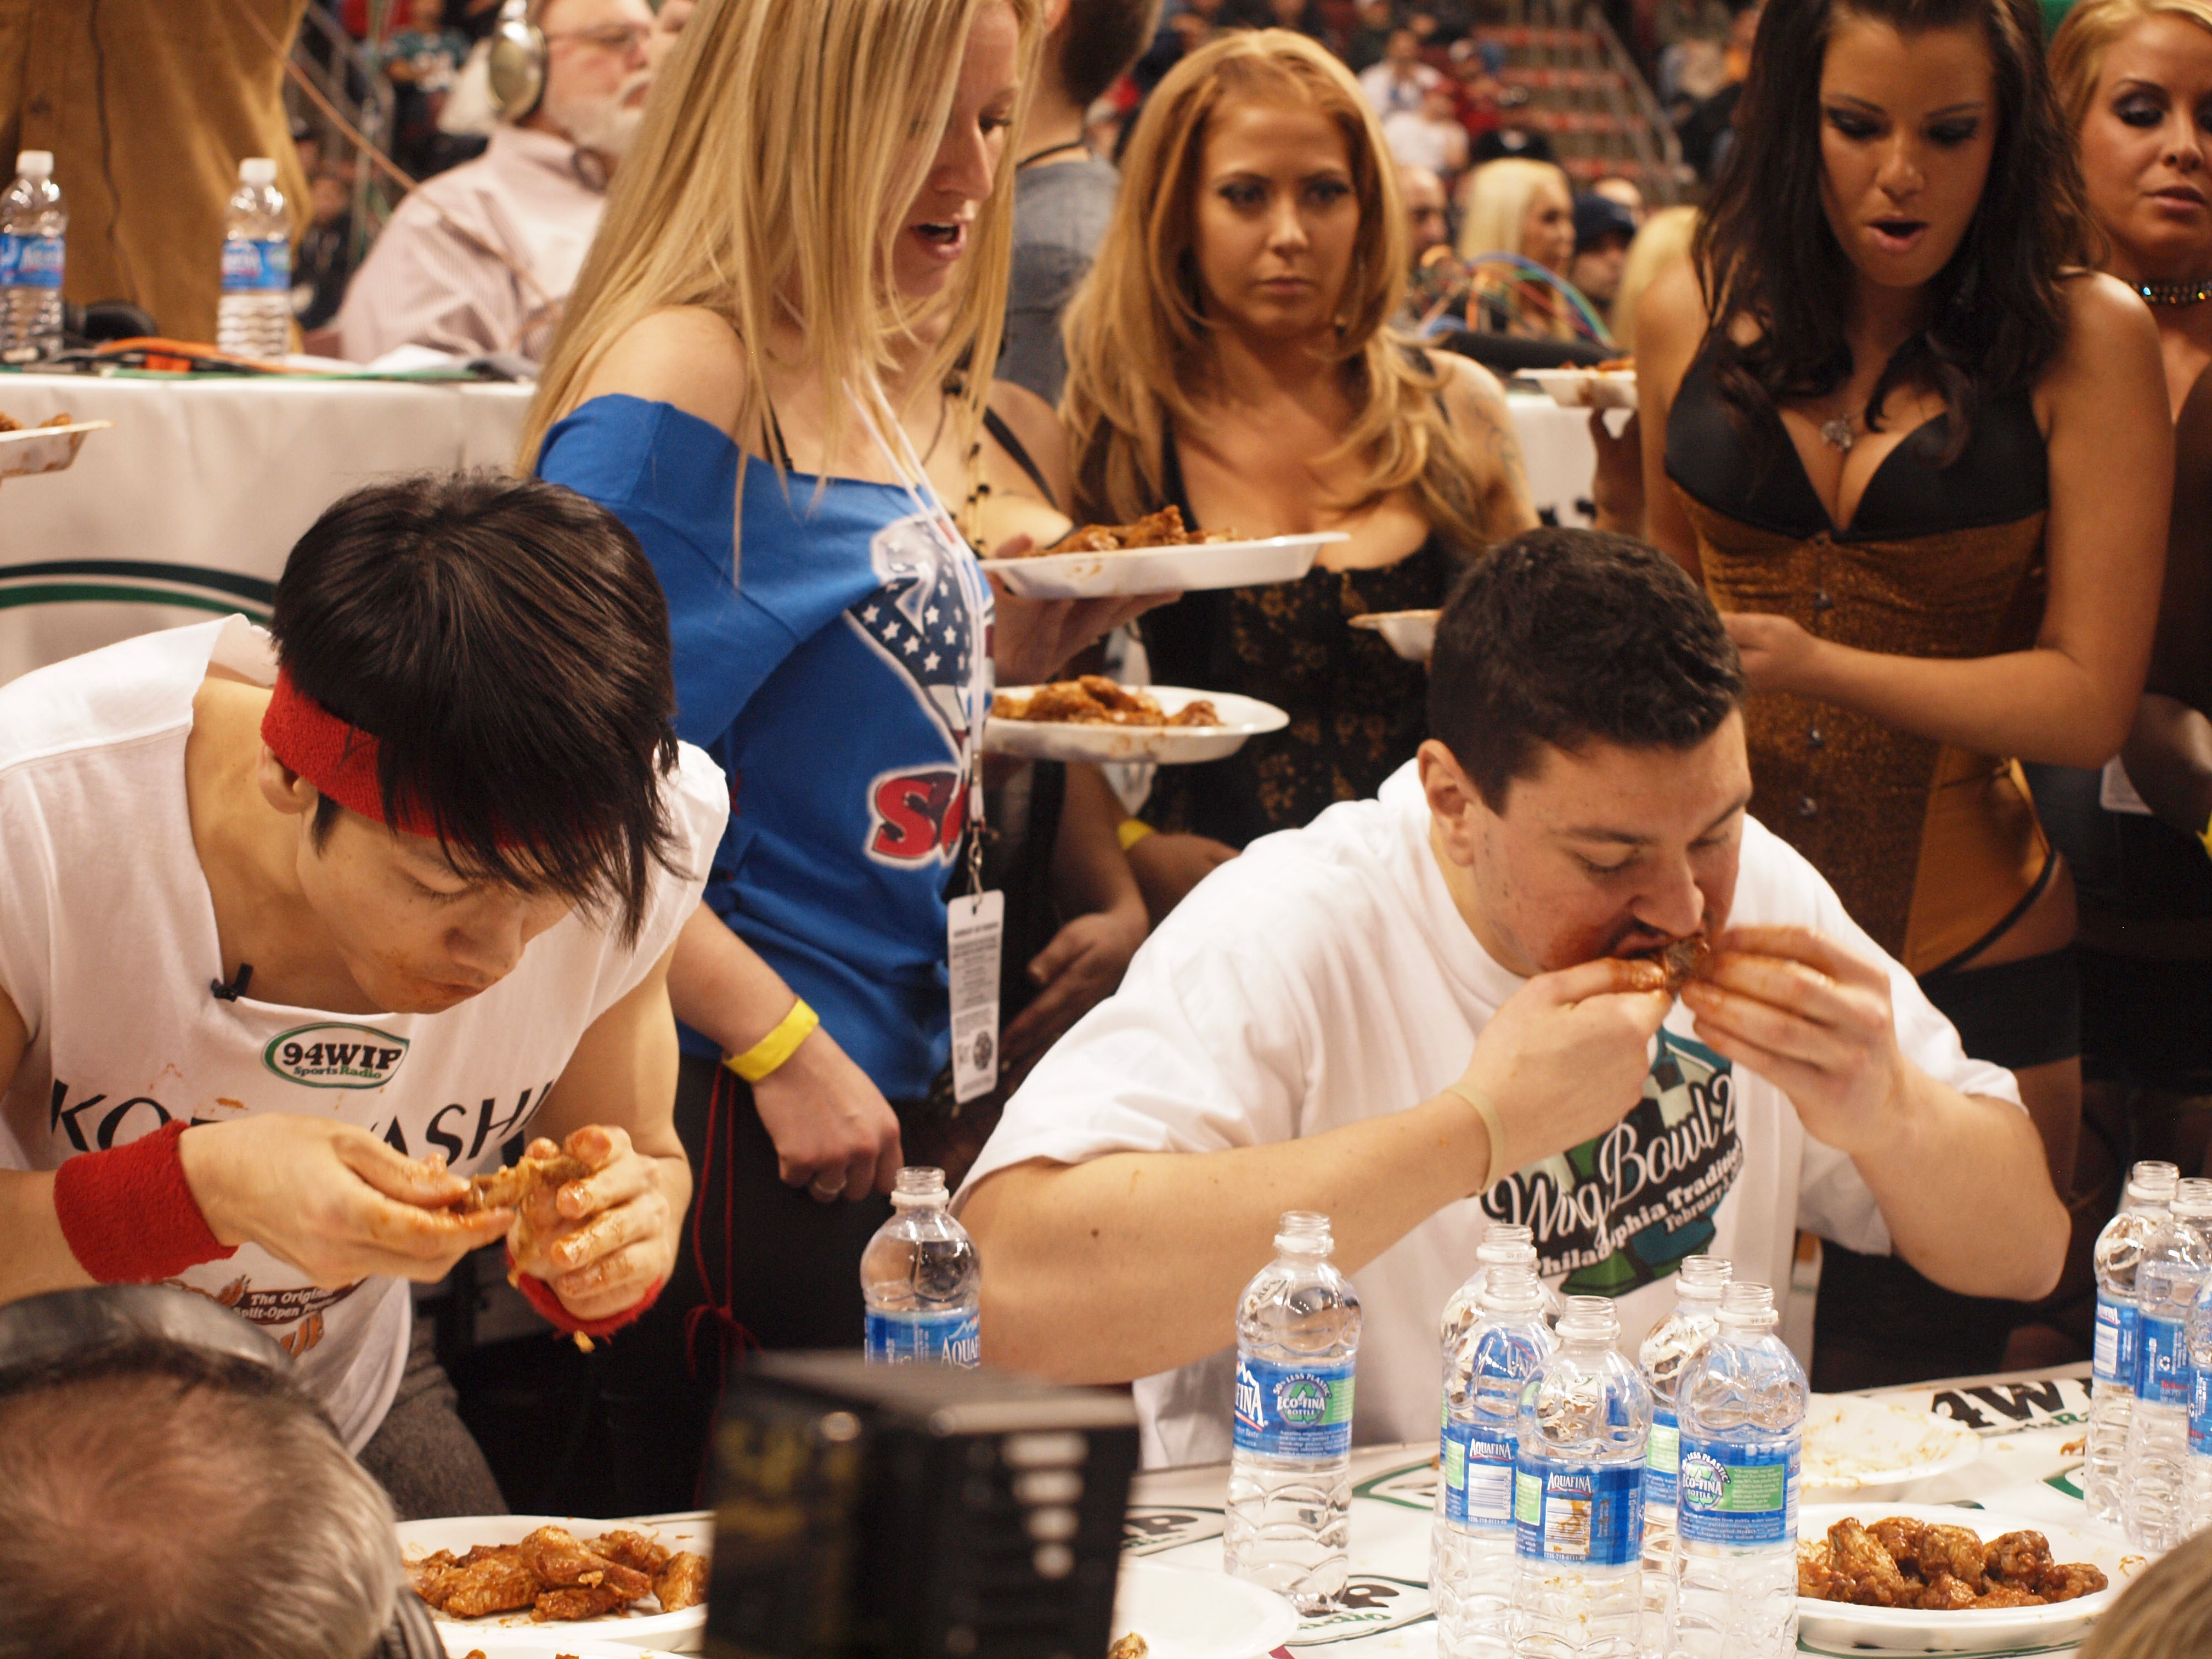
927 620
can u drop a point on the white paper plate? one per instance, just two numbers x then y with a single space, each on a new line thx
1585 388
544 1641
1185 569
1829 1627
674 1633
1873 1449
44 448
1411 634
1170 746
1185 1612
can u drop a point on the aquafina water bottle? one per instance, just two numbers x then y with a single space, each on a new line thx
33 222
1578 1495
1667 1351
921 1280
2173 1270
2119 1251
2196 1476
1289 1522
1471 1545
1742 1408
253 317
1504 1242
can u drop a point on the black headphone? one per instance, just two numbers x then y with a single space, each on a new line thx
515 67
40 1331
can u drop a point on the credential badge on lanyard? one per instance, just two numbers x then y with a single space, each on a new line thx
976 922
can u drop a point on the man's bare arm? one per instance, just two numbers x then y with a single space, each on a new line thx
37 1258
1132 1264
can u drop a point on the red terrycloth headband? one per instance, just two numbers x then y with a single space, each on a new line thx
338 759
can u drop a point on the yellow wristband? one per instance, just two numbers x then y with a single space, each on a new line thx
1498 1169
1131 831
2203 835
771 1051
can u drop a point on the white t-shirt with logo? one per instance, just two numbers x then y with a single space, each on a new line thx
108 945
1326 978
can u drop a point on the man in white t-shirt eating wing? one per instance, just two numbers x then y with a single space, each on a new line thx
1425 1012
294 938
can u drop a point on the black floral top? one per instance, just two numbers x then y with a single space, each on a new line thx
1358 710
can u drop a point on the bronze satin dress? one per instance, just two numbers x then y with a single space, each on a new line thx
1933 848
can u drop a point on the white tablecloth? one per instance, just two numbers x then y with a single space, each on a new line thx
191 503
2031 1424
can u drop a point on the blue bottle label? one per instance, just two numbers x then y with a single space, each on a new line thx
1478 1470
1662 1456
1593 1515
31 261
2200 1413
256 267
2162 1372
924 1339
1731 1494
2113 1347
1293 1410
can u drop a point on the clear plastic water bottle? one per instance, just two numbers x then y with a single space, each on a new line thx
1666 1356
1578 1495
253 317
1504 1242
2119 1251
2196 1477
2172 1272
33 222
921 1280
1288 1521
1742 1408
1470 1562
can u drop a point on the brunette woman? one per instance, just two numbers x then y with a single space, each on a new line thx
1228 354
1921 458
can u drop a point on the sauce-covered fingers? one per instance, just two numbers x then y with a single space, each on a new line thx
616 1183
1606 977
423 1182
596 1144
613 1283
1815 950
424 1234
602 1235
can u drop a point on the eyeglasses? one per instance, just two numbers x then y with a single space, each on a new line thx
611 37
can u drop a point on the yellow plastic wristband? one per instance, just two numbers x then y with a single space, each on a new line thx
2203 835
1498 1169
1131 831
771 1051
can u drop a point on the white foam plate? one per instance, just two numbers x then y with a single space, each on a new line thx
1170 746
1185 1613
1411 634
44 448
1873 1449
1584 388
674 1633
1186 569
543 1643
1838 1627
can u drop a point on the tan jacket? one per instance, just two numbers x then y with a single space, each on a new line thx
149 107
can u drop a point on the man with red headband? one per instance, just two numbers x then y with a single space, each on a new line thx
302 927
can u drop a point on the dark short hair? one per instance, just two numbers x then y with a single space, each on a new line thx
1563 637
506 643
1099 41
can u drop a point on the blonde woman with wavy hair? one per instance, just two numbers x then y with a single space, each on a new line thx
1527 208
811 232
1228 353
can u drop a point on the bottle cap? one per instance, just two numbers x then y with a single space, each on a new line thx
258 170
918 1185
35 164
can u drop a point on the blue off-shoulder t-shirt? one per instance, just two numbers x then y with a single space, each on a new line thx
838 668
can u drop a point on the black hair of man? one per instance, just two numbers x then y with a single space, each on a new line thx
506 642
1560 638
1099 41
161 1501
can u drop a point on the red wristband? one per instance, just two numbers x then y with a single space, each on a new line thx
535 1291
129 1215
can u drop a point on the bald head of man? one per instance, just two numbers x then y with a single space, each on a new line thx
1423 194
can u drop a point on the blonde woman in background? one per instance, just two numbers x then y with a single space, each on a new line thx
1228 353
1523 208
2133 80
814 230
